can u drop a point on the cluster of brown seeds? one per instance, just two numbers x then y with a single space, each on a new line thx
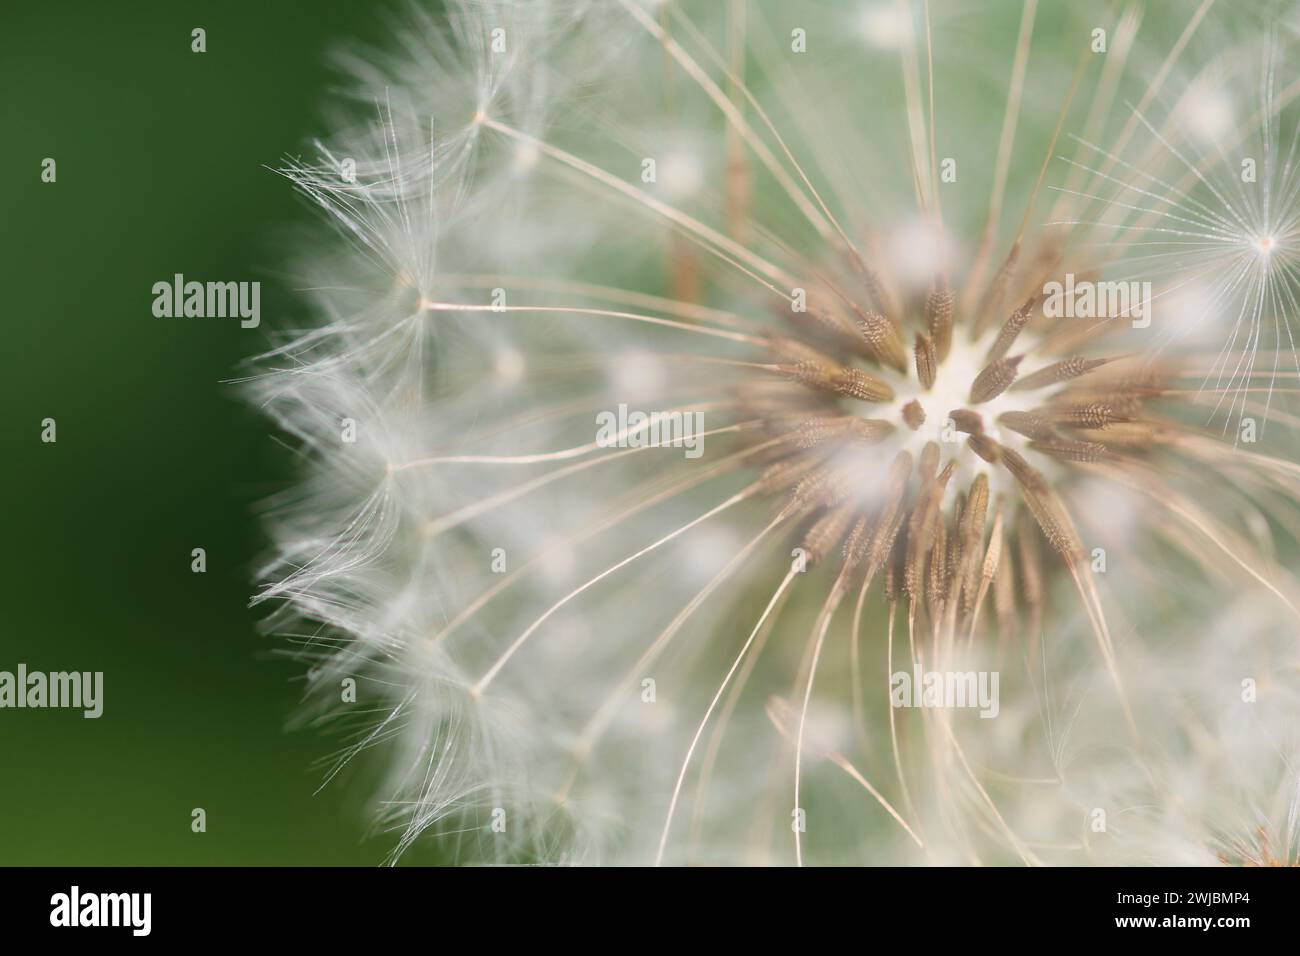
844 460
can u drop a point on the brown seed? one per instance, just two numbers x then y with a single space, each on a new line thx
965 420
814 488
1141 434
825 533
938 316
1055 524
913 415
994 379
929 460
793 352
817 431
985 447
894 566
1045 506
819 372
983 572
882 339
785 474
1059 372
978 500
1029 424
1011 329
855 545
926 362
971 533
1025 473
1087 414
1069 449
811 372
952 579
856 383
938 578
870 430
919 529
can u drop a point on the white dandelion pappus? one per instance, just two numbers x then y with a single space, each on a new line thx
578 649
1217 780
1200 186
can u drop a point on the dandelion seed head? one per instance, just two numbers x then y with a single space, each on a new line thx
910 463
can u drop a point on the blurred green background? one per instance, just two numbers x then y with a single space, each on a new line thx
161 157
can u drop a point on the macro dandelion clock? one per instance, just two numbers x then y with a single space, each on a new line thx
746 432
